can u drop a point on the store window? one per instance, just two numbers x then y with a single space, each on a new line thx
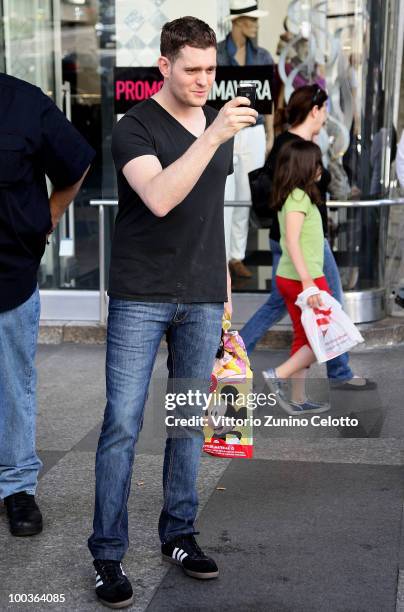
28 41
70 48
2 49
346 47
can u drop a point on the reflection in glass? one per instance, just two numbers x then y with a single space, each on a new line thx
29 41
49 44
348 47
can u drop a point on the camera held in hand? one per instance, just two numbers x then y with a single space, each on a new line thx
248 89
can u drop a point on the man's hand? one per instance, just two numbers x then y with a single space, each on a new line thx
232 117
61 198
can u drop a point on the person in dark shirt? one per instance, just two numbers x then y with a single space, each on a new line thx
305 114
36 140
168 277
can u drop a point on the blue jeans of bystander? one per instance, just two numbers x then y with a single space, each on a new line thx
19 463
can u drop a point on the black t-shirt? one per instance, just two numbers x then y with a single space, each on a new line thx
275 232
36 140
180 257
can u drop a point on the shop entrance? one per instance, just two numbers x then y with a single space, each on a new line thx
64 46
69 48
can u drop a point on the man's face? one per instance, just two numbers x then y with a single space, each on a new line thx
191 75
248 26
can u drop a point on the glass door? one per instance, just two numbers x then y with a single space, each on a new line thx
81 76
29 42
30 46
57 45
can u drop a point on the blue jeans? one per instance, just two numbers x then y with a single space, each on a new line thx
135 330
274 309
19 463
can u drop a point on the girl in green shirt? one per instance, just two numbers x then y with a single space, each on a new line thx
295 197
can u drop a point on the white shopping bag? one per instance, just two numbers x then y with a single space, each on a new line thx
328 329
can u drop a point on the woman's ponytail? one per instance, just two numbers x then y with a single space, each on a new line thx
281 119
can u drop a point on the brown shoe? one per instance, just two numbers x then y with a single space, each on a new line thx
239 269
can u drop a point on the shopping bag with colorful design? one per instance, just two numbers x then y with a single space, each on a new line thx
228 432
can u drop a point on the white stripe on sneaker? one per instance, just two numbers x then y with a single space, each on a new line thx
98 583
179 554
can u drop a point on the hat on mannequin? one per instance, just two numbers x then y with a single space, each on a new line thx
245 8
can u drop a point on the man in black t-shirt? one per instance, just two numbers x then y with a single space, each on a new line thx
36 140
168 277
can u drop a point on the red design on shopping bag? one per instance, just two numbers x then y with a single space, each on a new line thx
329 330
222 448
323 319
213 383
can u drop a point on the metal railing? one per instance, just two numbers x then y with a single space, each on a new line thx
237 203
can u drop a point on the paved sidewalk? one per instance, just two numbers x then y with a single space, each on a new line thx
313 523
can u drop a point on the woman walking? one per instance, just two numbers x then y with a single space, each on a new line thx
305 115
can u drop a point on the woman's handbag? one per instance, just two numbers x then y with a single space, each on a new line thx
261 189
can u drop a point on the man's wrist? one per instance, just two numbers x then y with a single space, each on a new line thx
210 137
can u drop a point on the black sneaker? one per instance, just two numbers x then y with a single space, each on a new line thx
355 384
112 587
184 551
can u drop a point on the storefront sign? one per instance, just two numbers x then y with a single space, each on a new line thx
228 78
132 85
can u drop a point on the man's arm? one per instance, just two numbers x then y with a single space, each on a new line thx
228 306
61 198
162 190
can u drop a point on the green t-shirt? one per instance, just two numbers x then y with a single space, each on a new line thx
311 237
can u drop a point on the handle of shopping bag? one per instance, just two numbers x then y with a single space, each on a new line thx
226 325
226 322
